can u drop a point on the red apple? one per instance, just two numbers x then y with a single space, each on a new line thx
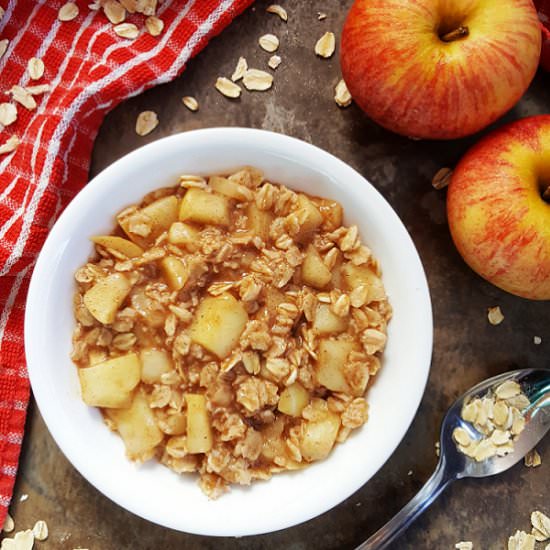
498 207
543 8
439 69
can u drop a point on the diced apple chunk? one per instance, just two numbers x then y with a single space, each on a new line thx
154 363
118 244
317 437
163 212
183 234
273 444
259 221
175 272
106 296
110 384
326 322
312 217
199 432
200 206
356 275
314 271
218 324
273 448
96 356
293 399
332 213
230 188
332 356
137 427
159 215
337 278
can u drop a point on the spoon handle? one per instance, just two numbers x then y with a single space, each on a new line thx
401 521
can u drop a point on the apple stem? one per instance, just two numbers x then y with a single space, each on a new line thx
461 32
546 194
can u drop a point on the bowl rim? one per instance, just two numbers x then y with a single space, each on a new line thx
104 180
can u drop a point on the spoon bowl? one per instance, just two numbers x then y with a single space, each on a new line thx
453 464
535 384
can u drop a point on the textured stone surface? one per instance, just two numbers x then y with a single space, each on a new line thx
467 349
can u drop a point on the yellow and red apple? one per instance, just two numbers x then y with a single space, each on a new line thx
439 69
498 207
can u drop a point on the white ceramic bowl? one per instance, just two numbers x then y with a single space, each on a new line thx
151 490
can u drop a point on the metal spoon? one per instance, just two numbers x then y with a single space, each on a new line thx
453 465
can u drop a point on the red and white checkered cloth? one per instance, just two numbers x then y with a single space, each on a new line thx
90 70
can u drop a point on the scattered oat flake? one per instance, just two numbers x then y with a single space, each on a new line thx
126 30
269 43
437 448
539 535
68 12
256 80
485 449
537 340
532 459
274 62
540 523
3 46
240 69
278 10
146 122
40 530
9 524
227 88
9 145
442 178
321 15
326 45
154 25
23 540
114 11
508 389
464 545
494 314
461 436
8 114
35 68
23 97
39 89
146 7
23 497
190 102
521 540
341 94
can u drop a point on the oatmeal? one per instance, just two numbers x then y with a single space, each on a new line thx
497 420
230 326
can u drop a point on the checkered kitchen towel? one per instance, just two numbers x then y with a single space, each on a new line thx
90 70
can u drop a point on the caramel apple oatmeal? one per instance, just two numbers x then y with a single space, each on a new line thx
229 326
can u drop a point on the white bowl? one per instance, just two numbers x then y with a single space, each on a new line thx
151 490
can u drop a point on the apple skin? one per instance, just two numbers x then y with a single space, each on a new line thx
498 219
408 80
545 54
543 8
